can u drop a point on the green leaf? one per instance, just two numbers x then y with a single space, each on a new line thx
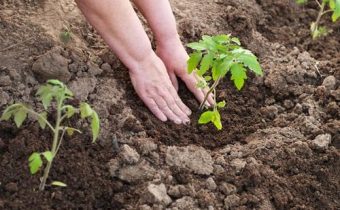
325 1
59 184
42 119
55 82
332 4
68 92
205 63
20 116
65 37
221 68
206 117
46 100
225 65
9 111
217 120
44 89
238 75
48 155
35 162
85 110
248 59
70 131
197 46
301 1
201 84
6 115
194 61
95 125
207 78
221 104
221 38
236 40
318 32
70 111
336 10
221 48
215 70
208 40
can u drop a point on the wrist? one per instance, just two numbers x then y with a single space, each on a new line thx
139 65
167 40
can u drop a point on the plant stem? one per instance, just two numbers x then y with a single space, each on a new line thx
38 115
321 13
60 140
54 146
215 105
318 3
210 91
327 11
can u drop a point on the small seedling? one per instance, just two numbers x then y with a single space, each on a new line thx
212 59
52 94
65 35
326 6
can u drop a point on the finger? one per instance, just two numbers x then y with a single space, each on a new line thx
153 107
191 82
174 81
210 99
173 104
163 106
179 102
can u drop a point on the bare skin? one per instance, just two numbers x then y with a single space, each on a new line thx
153 74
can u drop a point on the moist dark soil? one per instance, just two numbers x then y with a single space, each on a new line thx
268 156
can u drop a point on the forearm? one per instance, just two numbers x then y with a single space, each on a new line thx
119 26
160 18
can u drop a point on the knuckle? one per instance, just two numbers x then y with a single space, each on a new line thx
178 100
172 103
163 106
153 106
163 93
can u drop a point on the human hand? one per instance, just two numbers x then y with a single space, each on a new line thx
153 86
175 58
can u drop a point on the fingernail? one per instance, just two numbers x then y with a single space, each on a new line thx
178 121
189 112
186 121
164 119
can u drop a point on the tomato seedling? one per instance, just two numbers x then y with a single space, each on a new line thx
212 58
52 94
325 7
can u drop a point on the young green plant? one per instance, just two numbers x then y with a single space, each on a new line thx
65 35
325 7
212 58
53 94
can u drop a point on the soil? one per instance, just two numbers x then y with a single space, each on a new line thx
279 148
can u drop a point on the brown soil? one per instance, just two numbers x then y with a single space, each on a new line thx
267 156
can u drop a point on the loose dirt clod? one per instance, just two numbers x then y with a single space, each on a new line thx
83 87
52 66
135 173
211 185
231 201
329 82
322 141
195 159
227 188
157 194
129 155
